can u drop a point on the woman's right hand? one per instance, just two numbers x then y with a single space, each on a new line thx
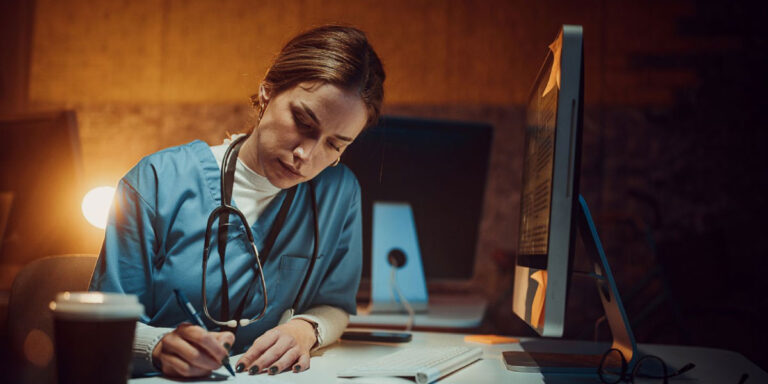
191 351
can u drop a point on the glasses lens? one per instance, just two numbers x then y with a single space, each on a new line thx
652 367
612 367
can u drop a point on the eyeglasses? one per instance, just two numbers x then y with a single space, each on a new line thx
614 368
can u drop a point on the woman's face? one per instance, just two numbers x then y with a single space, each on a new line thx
302 131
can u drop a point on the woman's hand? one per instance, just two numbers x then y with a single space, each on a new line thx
191 351
285 347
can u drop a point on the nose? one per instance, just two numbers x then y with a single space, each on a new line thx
304 150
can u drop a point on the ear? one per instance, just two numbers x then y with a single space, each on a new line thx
263 99
264 94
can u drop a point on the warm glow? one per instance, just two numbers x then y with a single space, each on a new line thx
96 205
38 348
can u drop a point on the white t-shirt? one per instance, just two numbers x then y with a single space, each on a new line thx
251 192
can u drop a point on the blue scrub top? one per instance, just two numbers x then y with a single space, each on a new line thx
156 229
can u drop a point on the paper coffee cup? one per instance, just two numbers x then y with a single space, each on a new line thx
94 334
96 305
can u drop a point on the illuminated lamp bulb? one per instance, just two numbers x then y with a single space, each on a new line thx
96 204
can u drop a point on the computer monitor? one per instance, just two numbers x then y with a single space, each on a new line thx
41 183
550 186
438 167
552 214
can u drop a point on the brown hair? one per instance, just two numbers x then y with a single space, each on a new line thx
333 54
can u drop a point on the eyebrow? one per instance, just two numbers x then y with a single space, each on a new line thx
312 116
309 112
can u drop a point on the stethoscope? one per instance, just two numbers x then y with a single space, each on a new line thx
222 212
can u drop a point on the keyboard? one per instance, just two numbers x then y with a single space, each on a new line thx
424 364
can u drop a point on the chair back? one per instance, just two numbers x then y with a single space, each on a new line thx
30 323
6 199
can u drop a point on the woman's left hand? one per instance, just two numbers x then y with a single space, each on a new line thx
285 347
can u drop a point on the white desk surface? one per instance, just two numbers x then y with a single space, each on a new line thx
712 365
456 311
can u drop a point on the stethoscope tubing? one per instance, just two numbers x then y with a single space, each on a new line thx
230 209
218 211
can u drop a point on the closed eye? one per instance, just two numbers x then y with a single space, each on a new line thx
304 126
309 128
333 145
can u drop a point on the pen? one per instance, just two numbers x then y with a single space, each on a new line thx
194 318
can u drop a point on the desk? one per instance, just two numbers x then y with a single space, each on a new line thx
712 365
452 312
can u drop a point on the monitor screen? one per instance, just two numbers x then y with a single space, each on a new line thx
41 186
439 168
538 162
550 186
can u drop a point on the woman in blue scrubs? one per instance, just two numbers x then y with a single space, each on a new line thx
321 91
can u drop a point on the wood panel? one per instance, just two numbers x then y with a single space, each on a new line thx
435 52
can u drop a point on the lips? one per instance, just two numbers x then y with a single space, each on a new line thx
290 169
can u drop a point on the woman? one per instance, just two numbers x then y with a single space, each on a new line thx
322 90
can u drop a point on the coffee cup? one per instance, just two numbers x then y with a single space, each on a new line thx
93 333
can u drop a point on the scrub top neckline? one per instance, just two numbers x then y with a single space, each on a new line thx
257 181
212 173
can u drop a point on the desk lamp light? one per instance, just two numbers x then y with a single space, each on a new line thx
96 205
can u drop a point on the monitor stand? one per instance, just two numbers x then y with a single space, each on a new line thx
396 251
623 338
444 313
396 269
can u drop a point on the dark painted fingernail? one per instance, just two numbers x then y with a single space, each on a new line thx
254 370
240 367
297 368
227 346
272 370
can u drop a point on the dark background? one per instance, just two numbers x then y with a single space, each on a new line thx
674 128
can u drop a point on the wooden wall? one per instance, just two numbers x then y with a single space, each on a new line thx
435 51
144 75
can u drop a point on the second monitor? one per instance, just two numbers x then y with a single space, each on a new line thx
439 168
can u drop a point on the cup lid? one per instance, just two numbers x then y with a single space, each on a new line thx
96 305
